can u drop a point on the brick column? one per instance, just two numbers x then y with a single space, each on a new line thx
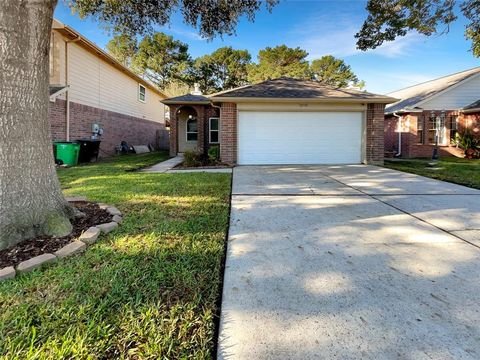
173 130
374 133
228 133
201 128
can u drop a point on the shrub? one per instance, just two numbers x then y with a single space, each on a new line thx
468 143
214 154
191 159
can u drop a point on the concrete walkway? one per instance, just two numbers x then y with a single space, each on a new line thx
164 166
350 262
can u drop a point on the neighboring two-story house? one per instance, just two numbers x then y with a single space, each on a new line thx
452 103
88 86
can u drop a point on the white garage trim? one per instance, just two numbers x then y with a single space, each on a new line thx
268 137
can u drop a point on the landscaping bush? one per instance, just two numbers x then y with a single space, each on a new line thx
214 154
192 159
468 143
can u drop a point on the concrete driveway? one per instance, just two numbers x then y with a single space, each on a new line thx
350 262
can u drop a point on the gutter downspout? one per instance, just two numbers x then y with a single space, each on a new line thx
399 151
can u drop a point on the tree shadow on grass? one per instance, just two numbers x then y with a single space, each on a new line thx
122 298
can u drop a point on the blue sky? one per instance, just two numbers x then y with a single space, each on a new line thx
324 27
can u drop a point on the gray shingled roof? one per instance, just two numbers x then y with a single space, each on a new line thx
53 89
289 88
413 95
187 98
473 106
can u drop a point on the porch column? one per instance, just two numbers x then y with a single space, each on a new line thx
173 130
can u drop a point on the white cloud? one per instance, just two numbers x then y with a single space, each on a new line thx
386 82
335 35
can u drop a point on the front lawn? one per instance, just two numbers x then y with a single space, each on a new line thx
149 290
455 170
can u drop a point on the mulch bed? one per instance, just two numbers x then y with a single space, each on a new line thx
46 244
216 166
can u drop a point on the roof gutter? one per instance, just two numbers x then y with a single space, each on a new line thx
173 102
403 111
386 100
469 111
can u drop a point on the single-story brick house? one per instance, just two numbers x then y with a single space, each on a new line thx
281 121
451 103
88 86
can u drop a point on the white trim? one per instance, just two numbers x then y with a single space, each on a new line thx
210 130
54 96
447 89
190 132
144 93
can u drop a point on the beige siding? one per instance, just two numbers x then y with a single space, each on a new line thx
95 82
57 59
457 97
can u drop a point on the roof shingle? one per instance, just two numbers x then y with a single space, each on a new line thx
187 98
413 95
289 88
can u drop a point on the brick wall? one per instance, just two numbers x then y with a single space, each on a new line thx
117 127
375 134
204 113
56 114
228 133
411 148
390 136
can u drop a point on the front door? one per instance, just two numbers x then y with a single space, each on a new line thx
187 134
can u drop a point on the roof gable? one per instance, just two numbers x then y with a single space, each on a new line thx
414 96
295 89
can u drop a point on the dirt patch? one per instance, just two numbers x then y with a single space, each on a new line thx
46 244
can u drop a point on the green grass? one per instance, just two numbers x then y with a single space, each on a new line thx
455 170
146 291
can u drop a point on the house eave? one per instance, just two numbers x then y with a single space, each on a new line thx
385 100
62 91
167 102
75 36
469 111
404 111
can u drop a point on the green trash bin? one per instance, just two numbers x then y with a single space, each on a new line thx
67 152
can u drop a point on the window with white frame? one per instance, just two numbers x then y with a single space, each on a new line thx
436 126
214 130
420 133
453 128
142 93
192 129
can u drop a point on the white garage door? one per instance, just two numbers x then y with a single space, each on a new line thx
299 138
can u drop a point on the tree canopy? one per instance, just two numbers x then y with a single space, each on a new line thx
211 18
335 72
225 68
279 61
123 47
161 59
389 19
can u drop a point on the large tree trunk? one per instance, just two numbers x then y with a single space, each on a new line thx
31 202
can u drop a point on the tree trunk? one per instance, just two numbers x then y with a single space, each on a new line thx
31 202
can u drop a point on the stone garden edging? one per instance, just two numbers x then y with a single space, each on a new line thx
87 238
